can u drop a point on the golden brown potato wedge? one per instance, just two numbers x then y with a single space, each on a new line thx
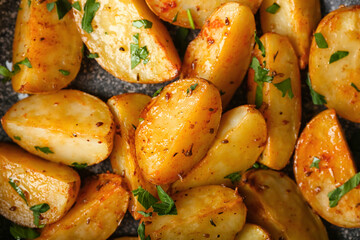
239 142
323 139
40 182
126 109
211 212
282 113
275 203
113 33
221 53
200 10
99 209
68 126
252 232
341 31
295 19
178 129
52 46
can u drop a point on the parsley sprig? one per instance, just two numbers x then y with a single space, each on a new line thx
7 74
317 98
338 193
19 232
261 76
138 53
315 163
17 189
234 177
90 8
37 210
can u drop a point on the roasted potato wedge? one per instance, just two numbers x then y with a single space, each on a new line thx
99 209
113 35
126 109
221 53
295 19
40 182
323 138
275 203
341 31
252 232
178 129
68 126
282 113
239 142
211 212
200 10
52 46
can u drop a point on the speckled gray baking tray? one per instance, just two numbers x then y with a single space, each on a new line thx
94 80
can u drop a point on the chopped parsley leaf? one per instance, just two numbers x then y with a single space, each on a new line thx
145 214
77 6
175 18
260 44
315 163
354 86
50 6
259 166
93 55
37 210
141 232
19 232
62 8
18 190
157 92
285 87
234 177
137 54
145 198
191 88
64 72
338 193
320 40
191 20
45 150
142 23
273 8
337 56
17 138
317 98
90 8
79 165
167 205
260 77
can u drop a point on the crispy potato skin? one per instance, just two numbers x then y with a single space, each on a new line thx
126 109
241 138
99 210
341 30
200 9
282 114
199 209
41 182
323 138
74 125
252 232
178 129
50 44
221 53
296 19
275 203
113 34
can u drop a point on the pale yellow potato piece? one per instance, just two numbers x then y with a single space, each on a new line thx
239 142
282 114
200 9
323 138
50 45
275 203
296 19
221 53
126 109
99 210
68 126
113 33
178 129
252 232
40 181
209 212
341 31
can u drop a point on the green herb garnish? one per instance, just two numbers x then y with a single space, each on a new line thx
273 8
260 44
90 8
141 232
191 21
167 205
259 166
145 198
50 6
19 232
191 88
260 77
64 72
77 6
354 86
9 74
337 56
338 193
320 40
93 55
285 87
29 3
145 214
175 18
157 92
137 54
79 165
62 8
317 98
234 177
17 138
37 210
142 23
45 150
18 190
315 163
